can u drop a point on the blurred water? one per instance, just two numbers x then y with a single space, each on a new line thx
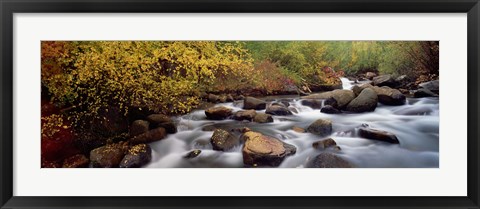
416 125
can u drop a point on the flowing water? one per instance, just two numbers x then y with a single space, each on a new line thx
416 125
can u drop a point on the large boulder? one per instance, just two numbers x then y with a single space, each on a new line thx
263 118
137 156
330 110
277 109
254 103
108 156
328 160
218 113
323 95
375 134
262 150
433 86
160 120
245 115
389 96
357 89
321 127
139 127
222 140
366 101
424 93
343 97
385 80
149 136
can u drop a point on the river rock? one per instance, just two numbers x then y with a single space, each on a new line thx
316 96
262 150
149 136
253 103
139 127
158 118
366 101
293 109
137 156
370 75
263 118
328 160
230 98
324 144
313 103
321 127
330 110
222 140
375 134
385 80
278 110
76 161
193 154
108 156
357 89
433 86
244 115
342 97
213 98
218 113
389 96
424 93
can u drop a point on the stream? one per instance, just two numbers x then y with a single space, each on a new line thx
416 125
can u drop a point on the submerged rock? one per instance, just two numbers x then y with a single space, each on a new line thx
254 103
137 156
222 140
193 154
321 127
218 113
139 127
298 129
375 134
261 150
263 118
366 101
245 115
109 156
324 144
328 160
149 136
278 110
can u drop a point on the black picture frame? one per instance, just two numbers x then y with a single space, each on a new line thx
9 7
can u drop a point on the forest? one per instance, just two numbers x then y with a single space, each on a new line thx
92 91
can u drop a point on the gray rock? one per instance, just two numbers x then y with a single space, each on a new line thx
375 134
137 156
149 136
253 103
321 127
385 80
433 86
424 93
222 140
324 144
245 115
389 96
278 110
330 110
329 160
366 101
